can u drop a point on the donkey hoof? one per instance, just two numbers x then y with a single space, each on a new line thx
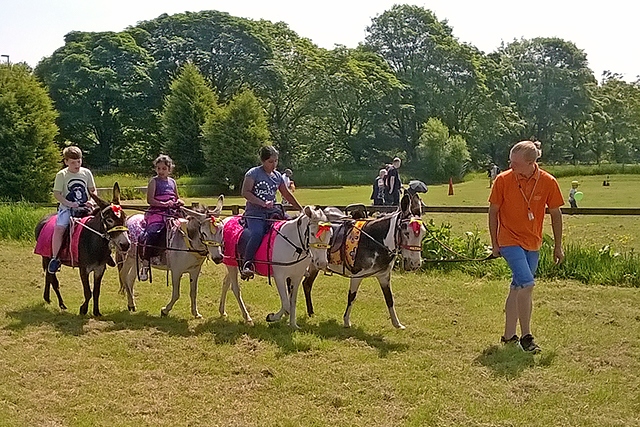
271 317
163 314
197 316
400 326
97 314
63 307
250 322
131 307
83 310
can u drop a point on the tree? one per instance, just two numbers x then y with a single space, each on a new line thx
352 100
232 139
186 110
100 84
29 158
441 155
548 81
441 77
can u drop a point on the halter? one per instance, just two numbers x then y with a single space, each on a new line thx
214 223
416 224
117 210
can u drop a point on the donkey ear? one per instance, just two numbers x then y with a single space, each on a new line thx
404 204
308 211
220 204
116 194
99 201
416 205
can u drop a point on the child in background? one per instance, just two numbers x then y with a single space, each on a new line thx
72 188
162 197
572 194
377 195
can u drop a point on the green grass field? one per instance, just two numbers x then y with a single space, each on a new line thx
445 369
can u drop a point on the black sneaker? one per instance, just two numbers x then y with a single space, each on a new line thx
528 344
54 266
513 340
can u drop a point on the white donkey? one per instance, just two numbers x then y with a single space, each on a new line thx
189 242
298 243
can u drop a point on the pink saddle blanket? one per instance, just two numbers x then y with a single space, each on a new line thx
68 254
231 234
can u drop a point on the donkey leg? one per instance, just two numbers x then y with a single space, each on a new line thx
385 284
354 284
127 277
175 293
226 282
293 299
53 280
84 277
232 273
97 283
47 281
282 284
307 285
193 292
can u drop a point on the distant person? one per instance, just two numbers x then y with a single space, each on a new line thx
606 182
572 194
72 189
377 195
493 172
393 183
518 201
288 182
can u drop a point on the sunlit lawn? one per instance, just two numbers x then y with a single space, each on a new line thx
445 369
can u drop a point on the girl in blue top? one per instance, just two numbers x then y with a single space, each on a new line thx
259 188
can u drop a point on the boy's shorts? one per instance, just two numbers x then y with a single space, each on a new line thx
523 265
64 217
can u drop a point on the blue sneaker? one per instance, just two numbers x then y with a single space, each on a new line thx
54 266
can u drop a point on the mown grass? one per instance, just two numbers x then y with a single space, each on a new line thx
445 369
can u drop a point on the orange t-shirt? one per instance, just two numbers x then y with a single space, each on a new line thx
511 192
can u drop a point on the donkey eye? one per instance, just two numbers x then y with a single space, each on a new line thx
109 221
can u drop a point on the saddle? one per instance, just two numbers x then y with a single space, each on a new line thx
68 253
234 245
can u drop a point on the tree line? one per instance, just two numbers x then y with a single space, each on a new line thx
209 88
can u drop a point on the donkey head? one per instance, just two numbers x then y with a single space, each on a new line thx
204 229
320 233
113 220
412 232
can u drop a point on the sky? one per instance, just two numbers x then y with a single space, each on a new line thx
607 31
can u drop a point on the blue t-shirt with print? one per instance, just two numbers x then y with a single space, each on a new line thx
264 187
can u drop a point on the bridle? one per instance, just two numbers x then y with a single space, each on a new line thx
117 210
416 224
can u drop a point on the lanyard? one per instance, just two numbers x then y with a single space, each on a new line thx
529 212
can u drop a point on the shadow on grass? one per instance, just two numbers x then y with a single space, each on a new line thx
289 341
75 324
510 361
278 333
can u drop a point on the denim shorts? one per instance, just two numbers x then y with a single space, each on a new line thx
523 265
64 217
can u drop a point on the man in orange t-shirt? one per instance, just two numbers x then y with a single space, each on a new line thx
518 201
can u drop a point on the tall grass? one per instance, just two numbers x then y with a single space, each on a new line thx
18 221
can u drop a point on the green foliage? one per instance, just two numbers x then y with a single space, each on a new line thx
232 139
186 110
441 155
101 85
30 158
18 221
